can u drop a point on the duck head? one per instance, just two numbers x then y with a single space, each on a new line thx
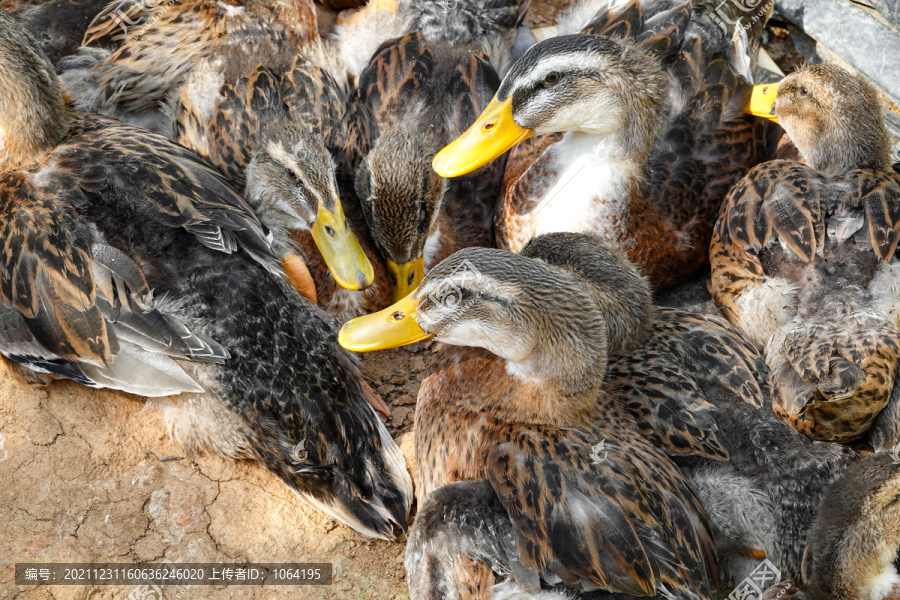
401 197
33 113
832 117
291 184
608 88
551 324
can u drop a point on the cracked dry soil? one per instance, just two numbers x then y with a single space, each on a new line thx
88 476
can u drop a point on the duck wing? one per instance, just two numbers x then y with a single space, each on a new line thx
802 263
74 306
673 382
178 188
584 511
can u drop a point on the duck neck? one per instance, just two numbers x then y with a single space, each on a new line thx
34 118
581 183
557 381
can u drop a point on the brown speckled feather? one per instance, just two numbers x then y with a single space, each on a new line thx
153 50
47 270
580 511
395 75
802 262
664 380
312 95
235 126
62 277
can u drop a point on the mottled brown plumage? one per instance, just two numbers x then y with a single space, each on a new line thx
422 95
804 261
137 54
649 175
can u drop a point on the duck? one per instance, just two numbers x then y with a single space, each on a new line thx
644 166
685 383
421 94
533 438
803 259
289 142
136 55
129 263
854 547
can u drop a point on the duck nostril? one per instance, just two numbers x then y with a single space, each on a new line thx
488 126
411 278
329 230
398 315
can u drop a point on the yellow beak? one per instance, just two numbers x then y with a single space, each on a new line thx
394 326
762 101
343 255
407 277
493 133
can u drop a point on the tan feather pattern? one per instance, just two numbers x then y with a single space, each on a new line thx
591 520
153 51
664 380
814 245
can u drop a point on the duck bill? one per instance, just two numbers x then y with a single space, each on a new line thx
493 133
407 277
343 255
762 101
394 326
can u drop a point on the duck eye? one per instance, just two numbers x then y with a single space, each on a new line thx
804 91
551 79
464 294
292 175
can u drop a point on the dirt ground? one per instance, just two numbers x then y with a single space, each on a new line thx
88 476
91 476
